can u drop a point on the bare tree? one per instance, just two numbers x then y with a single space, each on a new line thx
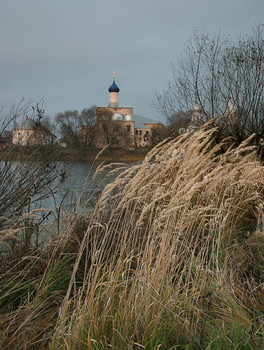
89 127
28 174
111 132
224 78
68 123
178 123
242 72
78 128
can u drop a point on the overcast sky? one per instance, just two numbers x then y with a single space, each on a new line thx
65 50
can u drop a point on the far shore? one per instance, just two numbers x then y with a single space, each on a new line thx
114 155
72 154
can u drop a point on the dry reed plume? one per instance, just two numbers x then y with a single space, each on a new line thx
171 256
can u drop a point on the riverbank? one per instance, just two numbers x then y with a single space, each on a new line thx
110 155
72 154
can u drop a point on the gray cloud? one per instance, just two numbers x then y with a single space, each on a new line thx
65 51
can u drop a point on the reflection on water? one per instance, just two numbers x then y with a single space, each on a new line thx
81 188
77 195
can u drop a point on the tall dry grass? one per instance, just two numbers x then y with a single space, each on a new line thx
172 257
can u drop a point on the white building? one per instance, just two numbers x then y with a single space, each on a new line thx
31 133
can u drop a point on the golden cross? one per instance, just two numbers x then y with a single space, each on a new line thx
114 75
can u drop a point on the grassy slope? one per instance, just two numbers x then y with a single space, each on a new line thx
172 257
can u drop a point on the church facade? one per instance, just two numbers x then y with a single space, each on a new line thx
121 128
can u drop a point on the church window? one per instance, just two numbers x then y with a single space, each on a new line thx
128 128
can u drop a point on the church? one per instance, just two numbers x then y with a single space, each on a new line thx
121 128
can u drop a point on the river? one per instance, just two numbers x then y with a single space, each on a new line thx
75 196
81 185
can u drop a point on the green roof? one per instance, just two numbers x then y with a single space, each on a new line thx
140 121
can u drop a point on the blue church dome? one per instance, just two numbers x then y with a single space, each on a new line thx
114 87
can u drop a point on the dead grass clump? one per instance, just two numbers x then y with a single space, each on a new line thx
181 259
171 256
33 283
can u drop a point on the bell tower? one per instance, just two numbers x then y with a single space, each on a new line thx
113 90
